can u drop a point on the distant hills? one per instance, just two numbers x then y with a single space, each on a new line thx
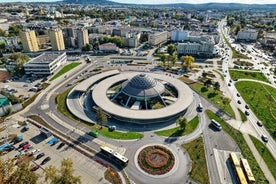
205 6
221 6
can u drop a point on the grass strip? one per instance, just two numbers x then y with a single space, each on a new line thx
266 155
65 69
177 131
197 154
239 74
243 116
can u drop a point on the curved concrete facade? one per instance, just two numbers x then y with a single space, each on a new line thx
185 98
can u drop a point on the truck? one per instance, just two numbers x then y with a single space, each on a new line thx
94 133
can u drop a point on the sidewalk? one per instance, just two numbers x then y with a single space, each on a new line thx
259 159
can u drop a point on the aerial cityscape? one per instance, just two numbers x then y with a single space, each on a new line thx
138 92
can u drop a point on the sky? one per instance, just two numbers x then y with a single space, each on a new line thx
196 1
167 1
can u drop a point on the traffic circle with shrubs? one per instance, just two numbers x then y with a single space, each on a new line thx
156 160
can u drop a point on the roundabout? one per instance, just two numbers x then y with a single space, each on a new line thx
156 160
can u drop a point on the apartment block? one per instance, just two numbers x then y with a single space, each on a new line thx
82 37
247 34
56 38
28 40
158 38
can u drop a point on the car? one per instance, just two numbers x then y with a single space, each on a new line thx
229 84
22 144
35 168
19 154
246 106
238 95
39 156
239 102
60 145
246 113
264 138
26 146
35 151
259 123
47 159
9 148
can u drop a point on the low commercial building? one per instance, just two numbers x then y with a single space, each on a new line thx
45 64
158 38
109 48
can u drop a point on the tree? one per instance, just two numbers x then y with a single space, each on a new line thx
87 47
163 59
64 175
217 86
101 117
208 82
174 59
204 74
23 175
189 60
171 49
181 121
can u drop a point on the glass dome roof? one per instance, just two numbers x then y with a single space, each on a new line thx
142 81
142 85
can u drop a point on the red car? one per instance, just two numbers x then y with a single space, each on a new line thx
35 168
26 146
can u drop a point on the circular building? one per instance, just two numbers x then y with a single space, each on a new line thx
142 97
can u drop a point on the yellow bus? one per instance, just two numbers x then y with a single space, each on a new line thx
234 159
237 167
247 171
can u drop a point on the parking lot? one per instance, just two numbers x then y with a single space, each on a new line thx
89 170
21 87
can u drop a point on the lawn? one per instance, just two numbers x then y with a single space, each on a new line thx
261 99
62 108
243 116
239 74
199 165
177 131
215 97
266 155
245 150
65 69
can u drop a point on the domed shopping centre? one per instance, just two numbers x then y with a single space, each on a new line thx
132 96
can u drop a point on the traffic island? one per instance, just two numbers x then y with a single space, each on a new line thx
156 160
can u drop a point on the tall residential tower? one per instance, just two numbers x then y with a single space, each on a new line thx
56 38
28 40
82 37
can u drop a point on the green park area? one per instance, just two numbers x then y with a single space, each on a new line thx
215 96
261 99
178 131
266 155
196 152
62 108
244 148
242 74
65 69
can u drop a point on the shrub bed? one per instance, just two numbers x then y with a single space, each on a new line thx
156 160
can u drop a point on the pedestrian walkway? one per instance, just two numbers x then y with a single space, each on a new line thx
259 159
